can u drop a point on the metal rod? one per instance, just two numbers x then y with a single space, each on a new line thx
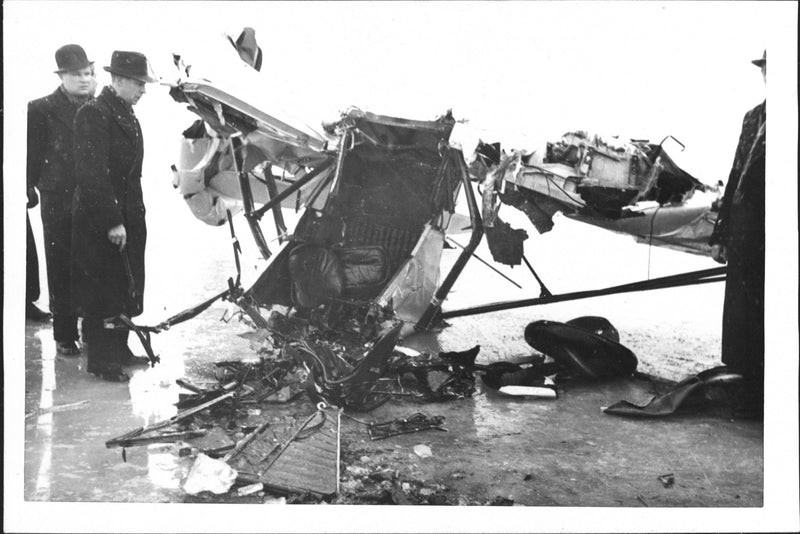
434 308
277 214
244 442
337 175
161 438
247 200
282 447
544 291
696 277
257 214
453 241
237 248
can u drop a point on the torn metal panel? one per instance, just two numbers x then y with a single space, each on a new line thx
412 288
633 188
307 463
228 114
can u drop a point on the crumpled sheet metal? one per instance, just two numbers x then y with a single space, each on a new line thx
669 402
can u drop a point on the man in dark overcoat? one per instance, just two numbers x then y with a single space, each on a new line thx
51 169
738 239
109 232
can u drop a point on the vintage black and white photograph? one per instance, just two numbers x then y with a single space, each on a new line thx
385 265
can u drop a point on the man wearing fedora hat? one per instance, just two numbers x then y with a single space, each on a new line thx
51 169
738 240
109 232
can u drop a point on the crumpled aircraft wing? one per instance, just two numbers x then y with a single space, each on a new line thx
283 139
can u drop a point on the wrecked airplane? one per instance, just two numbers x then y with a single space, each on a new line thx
376 196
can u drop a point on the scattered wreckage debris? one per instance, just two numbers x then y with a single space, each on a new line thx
396 427
667 480
227 423
401 425
242 449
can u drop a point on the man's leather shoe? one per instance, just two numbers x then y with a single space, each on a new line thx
67 348
32 313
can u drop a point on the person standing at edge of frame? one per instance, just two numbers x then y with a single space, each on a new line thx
51 169
109 232
32 288
738 240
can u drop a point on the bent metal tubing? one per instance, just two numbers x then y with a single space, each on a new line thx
434 308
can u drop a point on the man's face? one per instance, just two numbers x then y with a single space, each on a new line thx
78 82
129 90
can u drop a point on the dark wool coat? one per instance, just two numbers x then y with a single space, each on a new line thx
740 227
51 168
51 165
108 168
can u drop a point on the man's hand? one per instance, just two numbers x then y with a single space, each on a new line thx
33 198
719 253
118 236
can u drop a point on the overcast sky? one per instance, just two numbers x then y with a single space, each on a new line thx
517 72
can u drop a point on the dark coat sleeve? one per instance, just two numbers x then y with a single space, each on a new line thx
37 139
720 234
92 167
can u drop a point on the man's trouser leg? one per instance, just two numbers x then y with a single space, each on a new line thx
103 348
57 226
32 289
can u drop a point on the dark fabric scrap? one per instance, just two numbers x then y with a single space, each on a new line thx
505 243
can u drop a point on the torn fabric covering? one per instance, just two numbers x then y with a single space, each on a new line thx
669 402
212 209
412 288
685 227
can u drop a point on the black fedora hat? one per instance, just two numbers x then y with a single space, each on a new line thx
760 62
130 65
71 57
588 346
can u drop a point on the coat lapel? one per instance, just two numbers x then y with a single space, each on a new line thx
123 116
63 108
